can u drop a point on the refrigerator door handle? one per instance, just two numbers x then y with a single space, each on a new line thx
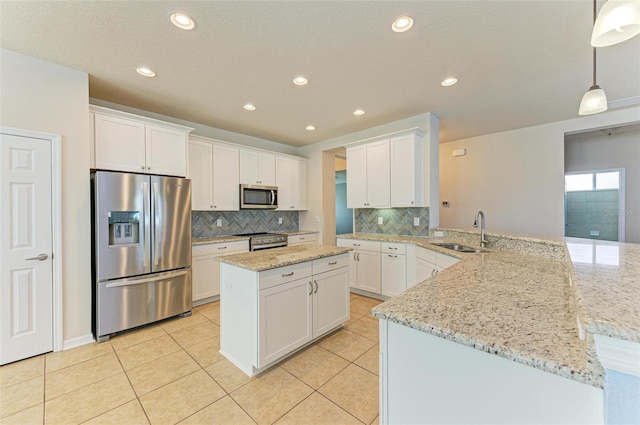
145 208
156 248
155 277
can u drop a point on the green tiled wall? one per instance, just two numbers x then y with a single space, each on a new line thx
592 211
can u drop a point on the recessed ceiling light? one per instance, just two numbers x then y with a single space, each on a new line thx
145 72
358 112
310 128
449 81
249 107
182 21
300 81
402 24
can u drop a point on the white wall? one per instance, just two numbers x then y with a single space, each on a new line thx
516 177
41 96
314 170
597 150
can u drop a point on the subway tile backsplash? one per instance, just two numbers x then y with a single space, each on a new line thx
203 223
396 221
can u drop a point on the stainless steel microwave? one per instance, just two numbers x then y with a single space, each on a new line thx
258 197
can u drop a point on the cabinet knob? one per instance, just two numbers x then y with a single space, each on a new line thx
142 167
411 202
148 168
215 206
210 206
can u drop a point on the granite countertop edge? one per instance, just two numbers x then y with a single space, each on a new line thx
239 260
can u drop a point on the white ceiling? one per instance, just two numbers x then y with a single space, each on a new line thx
519 63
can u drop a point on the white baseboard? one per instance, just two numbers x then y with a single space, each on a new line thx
620 355
78 341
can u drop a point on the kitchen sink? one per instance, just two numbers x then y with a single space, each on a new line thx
460 248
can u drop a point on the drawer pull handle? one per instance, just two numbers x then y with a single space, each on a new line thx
333 263
302 239
222 247
356 244
393 256
392 248
287 274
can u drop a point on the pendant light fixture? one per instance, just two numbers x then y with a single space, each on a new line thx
594 100
619 20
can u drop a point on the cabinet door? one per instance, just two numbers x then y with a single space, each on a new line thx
226 174
205 277
284 183
201 175
357 177
166 151
424 270
285 317
248 167
353 269
119 144
299 184
369 271
394 274
405 172
330 300
266 169
378 178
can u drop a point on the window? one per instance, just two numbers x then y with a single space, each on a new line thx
592 181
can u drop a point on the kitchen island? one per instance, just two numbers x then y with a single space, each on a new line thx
276 301
495 338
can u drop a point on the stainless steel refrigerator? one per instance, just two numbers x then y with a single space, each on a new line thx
141 262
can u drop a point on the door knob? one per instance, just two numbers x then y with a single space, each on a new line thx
40 257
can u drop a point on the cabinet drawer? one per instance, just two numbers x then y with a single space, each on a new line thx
220 248
394 248
302 239
274 277
330 263
360 244
426 255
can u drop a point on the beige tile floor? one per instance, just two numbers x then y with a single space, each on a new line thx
172 373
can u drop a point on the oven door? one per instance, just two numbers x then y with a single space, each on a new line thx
258 197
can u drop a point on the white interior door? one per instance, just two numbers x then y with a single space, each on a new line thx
26 275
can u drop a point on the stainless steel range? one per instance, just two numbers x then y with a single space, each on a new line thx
264 240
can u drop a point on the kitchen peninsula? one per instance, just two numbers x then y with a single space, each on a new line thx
279 300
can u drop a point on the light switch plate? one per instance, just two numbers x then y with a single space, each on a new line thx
416 221
219 222
438 234
380 220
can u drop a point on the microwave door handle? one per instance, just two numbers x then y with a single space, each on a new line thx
273 197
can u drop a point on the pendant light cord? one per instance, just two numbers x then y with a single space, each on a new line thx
594 49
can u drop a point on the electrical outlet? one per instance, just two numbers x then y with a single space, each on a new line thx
219 222
380 220
445 204
416 221
279 220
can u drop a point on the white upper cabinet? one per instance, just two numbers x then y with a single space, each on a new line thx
406 171
393 171
291 180
214 173
257 168
368 183
127 142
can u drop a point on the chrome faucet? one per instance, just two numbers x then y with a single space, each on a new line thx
483 241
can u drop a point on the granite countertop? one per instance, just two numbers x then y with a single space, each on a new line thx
607 285
514 305
278 257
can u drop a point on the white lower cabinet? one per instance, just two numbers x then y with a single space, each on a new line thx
306 239
364 264
267 315
205 268
394 268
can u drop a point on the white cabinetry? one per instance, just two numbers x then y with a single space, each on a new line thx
406 170
291 180
428 263
214 173
206 269
127 142
268 315
368 182
306 239
257 167
394 268
364 264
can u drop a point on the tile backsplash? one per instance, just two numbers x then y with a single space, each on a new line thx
396 221
203 223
